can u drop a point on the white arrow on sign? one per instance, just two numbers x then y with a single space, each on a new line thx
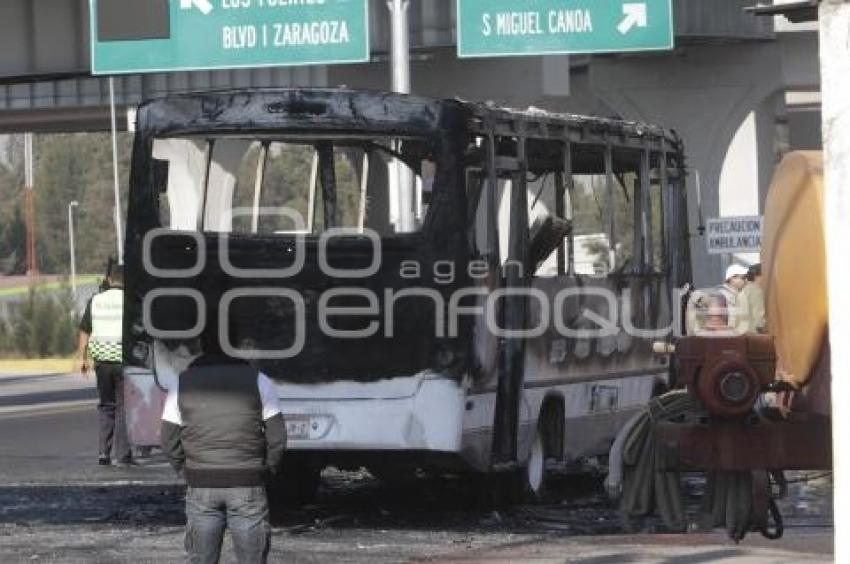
205 6
635 16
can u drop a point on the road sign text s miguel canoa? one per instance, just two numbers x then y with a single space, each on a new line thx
492 28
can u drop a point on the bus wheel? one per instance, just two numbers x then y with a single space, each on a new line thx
497 490
296 485
548 443
395 477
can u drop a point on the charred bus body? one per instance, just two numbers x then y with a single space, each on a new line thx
432 283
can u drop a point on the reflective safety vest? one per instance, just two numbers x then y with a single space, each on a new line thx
106 326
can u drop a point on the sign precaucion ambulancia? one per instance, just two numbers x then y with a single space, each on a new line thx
494 28
734 235
132 36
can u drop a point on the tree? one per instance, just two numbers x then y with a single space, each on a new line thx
44 325
12 240
12 228
286 183
68 167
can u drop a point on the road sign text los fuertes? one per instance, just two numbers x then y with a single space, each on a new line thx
491 28
219 34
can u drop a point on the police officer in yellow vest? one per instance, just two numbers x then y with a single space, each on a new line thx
100 335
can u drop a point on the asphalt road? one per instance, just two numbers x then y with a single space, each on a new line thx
57 505
49 434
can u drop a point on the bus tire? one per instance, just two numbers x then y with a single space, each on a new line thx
501 490
295 486
394 477
489 491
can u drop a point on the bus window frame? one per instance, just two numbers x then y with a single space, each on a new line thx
322 173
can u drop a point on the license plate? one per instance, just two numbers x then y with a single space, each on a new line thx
297 427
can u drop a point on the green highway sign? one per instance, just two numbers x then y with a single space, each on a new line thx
133 36
494 28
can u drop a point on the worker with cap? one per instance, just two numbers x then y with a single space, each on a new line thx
751 306
735 280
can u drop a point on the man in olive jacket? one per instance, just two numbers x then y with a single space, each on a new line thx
223 429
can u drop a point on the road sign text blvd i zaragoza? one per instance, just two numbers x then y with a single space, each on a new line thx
220 34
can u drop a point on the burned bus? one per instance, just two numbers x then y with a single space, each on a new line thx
432 284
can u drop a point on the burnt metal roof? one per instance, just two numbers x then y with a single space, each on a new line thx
340 109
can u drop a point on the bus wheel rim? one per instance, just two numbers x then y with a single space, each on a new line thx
535 465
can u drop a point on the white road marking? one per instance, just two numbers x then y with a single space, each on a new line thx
47 408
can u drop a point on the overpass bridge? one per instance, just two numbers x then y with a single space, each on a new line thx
705 88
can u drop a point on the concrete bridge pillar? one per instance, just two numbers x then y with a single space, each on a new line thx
767 115
703 92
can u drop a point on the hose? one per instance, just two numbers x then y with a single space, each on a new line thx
779 526
646 490
614 479
728 502
637 456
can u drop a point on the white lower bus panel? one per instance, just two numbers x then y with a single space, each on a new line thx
422 412
431 413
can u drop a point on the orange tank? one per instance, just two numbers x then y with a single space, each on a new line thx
794 265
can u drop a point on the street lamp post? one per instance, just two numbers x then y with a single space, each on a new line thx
400 82
71 207
399 45
118 232
29 191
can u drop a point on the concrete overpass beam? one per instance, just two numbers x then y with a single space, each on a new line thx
799 55
766 136
704 93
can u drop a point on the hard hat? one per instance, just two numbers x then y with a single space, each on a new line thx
735 270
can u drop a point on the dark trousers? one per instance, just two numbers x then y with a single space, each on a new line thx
243 510
110 407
